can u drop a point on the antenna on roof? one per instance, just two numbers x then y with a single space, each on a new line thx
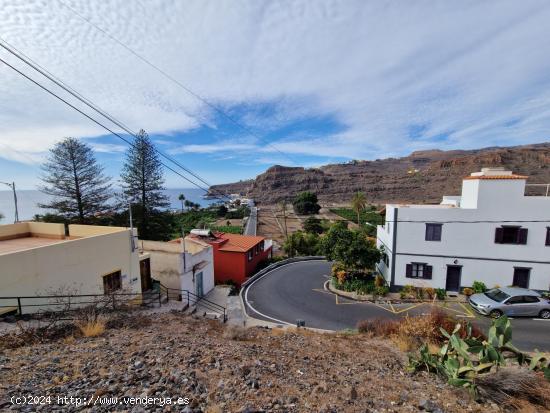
131 227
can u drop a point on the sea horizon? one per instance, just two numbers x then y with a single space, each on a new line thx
28 200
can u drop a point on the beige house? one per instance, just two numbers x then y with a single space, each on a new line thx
39 258
181 264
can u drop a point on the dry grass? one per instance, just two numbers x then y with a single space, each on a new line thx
410 333
92 328
518 388
237 333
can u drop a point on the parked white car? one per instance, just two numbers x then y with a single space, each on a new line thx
512 302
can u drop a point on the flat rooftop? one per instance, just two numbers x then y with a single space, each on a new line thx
20 244
29 235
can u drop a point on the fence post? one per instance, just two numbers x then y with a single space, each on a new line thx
19 306
114 301
188 303
160 302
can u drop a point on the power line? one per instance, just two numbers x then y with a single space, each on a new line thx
181 85
469 222
25 59
96 121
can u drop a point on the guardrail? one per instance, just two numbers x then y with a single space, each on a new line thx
277 264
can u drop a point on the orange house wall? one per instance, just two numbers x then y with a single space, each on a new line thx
235 265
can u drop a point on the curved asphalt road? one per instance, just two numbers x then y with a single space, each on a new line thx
295 291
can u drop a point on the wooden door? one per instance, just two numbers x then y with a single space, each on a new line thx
145 273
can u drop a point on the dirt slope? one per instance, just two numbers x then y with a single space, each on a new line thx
267 370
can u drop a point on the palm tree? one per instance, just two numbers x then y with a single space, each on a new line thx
181 198
358 204
188 204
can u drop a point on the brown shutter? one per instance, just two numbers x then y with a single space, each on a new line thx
499 235
409 271
522 236
428 272
548 236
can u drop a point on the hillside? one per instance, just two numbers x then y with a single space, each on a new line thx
422 176
223 369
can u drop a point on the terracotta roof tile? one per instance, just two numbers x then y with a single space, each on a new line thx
497 177
239 243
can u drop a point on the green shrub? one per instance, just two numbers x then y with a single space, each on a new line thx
382 291
419 292
408 291
463 360
479 287
441 293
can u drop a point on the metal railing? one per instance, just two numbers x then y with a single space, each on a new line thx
25 305
168 294
38 305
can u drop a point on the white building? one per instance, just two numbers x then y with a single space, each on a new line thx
40 259
491 233
187 265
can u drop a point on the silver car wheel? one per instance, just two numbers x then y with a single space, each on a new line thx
545 314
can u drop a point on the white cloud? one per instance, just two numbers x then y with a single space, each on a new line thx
108 147
461 69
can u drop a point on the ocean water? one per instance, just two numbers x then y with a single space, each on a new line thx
27 201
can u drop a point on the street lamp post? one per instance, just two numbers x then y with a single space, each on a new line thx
12 186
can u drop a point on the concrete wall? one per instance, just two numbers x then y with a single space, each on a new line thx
174 268
38 229
166 261
77 265
472 244
492 273
91 230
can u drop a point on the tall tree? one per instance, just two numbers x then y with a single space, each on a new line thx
75 180
306 203
358 204
181 198
143 182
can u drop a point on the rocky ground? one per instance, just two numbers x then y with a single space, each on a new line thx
421 177
224 369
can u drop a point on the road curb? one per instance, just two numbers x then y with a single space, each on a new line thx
261 274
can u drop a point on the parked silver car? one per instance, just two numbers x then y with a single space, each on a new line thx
512 302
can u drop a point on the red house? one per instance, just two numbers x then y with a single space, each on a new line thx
236 257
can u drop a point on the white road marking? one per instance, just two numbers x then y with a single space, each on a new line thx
258 279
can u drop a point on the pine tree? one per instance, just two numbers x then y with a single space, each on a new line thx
143 182
76 181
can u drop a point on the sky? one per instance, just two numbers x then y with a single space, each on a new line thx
297 83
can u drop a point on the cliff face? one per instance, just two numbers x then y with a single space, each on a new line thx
422 177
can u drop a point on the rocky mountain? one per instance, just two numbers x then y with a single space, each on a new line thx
421 177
